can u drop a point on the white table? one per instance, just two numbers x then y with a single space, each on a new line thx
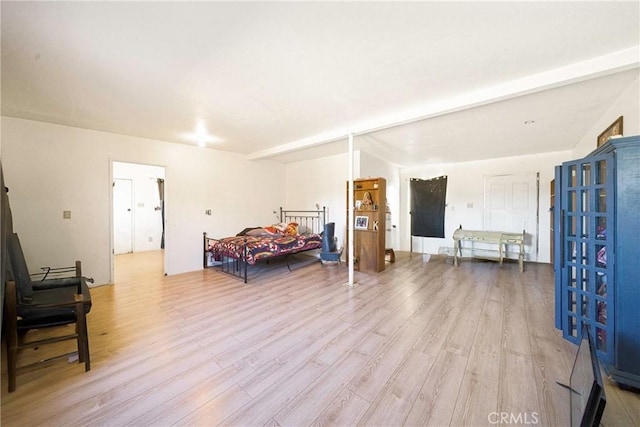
500 238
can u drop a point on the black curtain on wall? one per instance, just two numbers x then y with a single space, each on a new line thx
428 198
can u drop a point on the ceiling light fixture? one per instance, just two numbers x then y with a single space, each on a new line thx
201 136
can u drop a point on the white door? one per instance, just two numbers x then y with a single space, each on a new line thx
511 204
122 216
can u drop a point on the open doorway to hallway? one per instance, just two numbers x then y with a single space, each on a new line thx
138 212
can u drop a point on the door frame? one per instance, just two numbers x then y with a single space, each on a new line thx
167 234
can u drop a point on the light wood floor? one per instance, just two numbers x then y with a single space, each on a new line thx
423 343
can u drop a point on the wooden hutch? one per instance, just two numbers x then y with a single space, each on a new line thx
370 196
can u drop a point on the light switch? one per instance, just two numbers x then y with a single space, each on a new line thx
66 214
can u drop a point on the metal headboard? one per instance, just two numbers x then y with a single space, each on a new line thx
314 220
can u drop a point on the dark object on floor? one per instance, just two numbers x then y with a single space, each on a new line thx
391 254
330 251
587 397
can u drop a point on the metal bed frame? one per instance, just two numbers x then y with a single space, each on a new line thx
313 220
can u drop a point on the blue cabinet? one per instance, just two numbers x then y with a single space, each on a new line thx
597 254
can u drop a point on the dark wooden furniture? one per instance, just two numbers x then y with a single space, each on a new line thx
43 304
370 195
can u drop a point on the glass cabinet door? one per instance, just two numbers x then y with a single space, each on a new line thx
586 251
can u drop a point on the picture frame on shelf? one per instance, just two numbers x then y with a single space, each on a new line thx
362 223
358 204
614 129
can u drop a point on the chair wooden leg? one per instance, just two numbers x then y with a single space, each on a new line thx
12 368
81 331
10 323
79 344
87 362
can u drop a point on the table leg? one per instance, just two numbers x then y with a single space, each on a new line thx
521 258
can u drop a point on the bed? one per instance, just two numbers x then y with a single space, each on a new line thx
297 231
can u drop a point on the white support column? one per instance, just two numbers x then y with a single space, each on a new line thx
351 203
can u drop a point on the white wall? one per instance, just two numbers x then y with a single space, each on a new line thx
628 106
465 185
373 167
147 221
321 181
324 181
52 168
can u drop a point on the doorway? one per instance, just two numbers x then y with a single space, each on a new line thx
511 205
138 212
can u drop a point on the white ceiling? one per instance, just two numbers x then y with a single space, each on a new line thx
416 82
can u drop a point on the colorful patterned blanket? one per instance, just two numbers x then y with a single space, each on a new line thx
263 247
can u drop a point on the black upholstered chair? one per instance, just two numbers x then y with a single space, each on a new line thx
329 251
42 304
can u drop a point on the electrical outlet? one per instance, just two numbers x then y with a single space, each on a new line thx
66 214
150 238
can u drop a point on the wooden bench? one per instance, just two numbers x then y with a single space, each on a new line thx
490 238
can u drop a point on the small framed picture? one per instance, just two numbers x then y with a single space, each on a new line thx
362 223
358 204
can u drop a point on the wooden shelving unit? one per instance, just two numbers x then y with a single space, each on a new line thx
369 242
